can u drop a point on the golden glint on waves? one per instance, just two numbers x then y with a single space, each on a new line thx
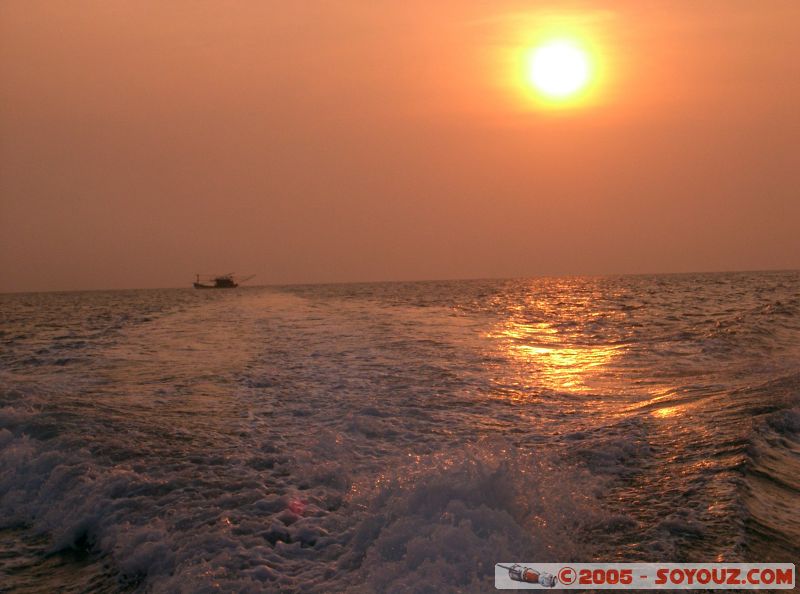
540 348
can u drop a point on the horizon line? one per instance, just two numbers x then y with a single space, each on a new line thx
420 280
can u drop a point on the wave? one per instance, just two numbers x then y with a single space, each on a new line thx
451 520
772 473
440 519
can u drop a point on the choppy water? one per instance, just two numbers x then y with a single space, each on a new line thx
398 437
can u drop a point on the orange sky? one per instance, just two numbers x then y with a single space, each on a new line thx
141 142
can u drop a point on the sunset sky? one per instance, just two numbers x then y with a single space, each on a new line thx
142 142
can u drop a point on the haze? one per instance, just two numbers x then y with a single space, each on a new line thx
142 142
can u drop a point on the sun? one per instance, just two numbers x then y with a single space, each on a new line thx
559 70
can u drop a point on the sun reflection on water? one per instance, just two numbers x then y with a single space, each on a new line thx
550 360
666 412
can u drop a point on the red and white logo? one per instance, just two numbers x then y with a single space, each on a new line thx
645 576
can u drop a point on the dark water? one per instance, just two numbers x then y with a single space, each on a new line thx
398 437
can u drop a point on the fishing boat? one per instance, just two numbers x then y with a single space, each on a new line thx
223 281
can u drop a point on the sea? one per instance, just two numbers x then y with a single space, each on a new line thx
395 437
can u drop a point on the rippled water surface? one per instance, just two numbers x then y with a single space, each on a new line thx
398 437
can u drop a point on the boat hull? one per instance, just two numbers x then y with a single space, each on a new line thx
202 286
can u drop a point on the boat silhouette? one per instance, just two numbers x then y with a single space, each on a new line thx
222 281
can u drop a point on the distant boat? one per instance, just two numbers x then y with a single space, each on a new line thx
224 281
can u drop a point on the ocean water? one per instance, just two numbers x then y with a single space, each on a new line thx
397 437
